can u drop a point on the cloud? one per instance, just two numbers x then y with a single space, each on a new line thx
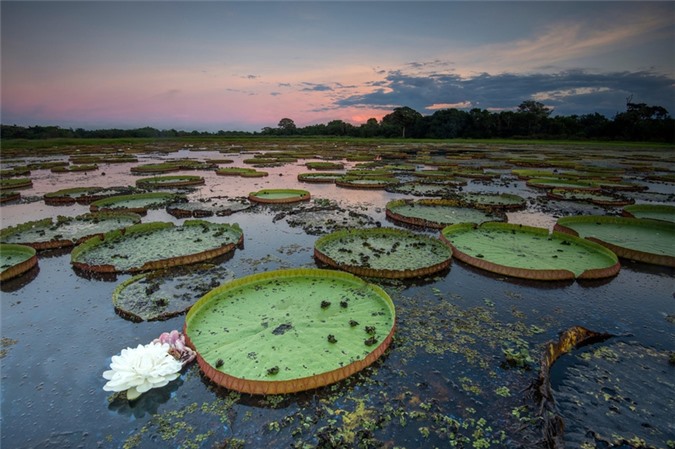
568 92
313 87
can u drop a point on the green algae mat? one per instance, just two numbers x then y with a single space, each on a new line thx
291 330
15 260
383 252
156 245
640 239
437 214
66 231
529 252
272 196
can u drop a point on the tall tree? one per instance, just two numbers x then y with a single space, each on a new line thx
403 118
287 126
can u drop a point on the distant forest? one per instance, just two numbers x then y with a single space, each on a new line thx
531 120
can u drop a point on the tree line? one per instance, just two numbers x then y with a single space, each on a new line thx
531 120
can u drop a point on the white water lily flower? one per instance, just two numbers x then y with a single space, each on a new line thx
140 369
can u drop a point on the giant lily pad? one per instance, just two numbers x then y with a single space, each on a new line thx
66 231
15 260
84 195
161 182
162 294
595 197
661 212
529 252
366 182
383 252
323 177
156 245
644 240
437 214
276 196
220 206
138 202
289 330
15 183
503 201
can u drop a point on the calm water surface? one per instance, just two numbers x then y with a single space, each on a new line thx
443 383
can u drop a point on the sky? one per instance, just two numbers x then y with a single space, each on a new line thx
217 65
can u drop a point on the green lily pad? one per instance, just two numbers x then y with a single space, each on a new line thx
588 196
240 171
437 214
553 183
661 212
529 252
505 201
325 165
155 245
75 168
162 167
15 183
279 196
383 252
159 182
644 240
319 177
289 330
138 202
84 195
66 231
163 294
15 260
366 182
220 206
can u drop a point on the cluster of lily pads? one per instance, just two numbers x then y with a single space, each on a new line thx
245 332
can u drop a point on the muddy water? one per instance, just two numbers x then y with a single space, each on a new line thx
444 381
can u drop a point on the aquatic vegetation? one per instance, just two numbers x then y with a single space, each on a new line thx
84 195
278 196
437 214
155 245
599 198
75 168
159 182
382 252
162 294
137 202
529 252
243 172
220 206
644 240
322 177
15 183
16 260
661 212
67 231
289 330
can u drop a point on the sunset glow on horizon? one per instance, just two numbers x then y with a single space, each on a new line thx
245 65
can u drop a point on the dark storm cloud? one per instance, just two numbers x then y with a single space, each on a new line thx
569 92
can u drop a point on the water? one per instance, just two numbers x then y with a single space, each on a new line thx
444 379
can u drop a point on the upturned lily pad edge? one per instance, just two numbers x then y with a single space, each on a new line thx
21 267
